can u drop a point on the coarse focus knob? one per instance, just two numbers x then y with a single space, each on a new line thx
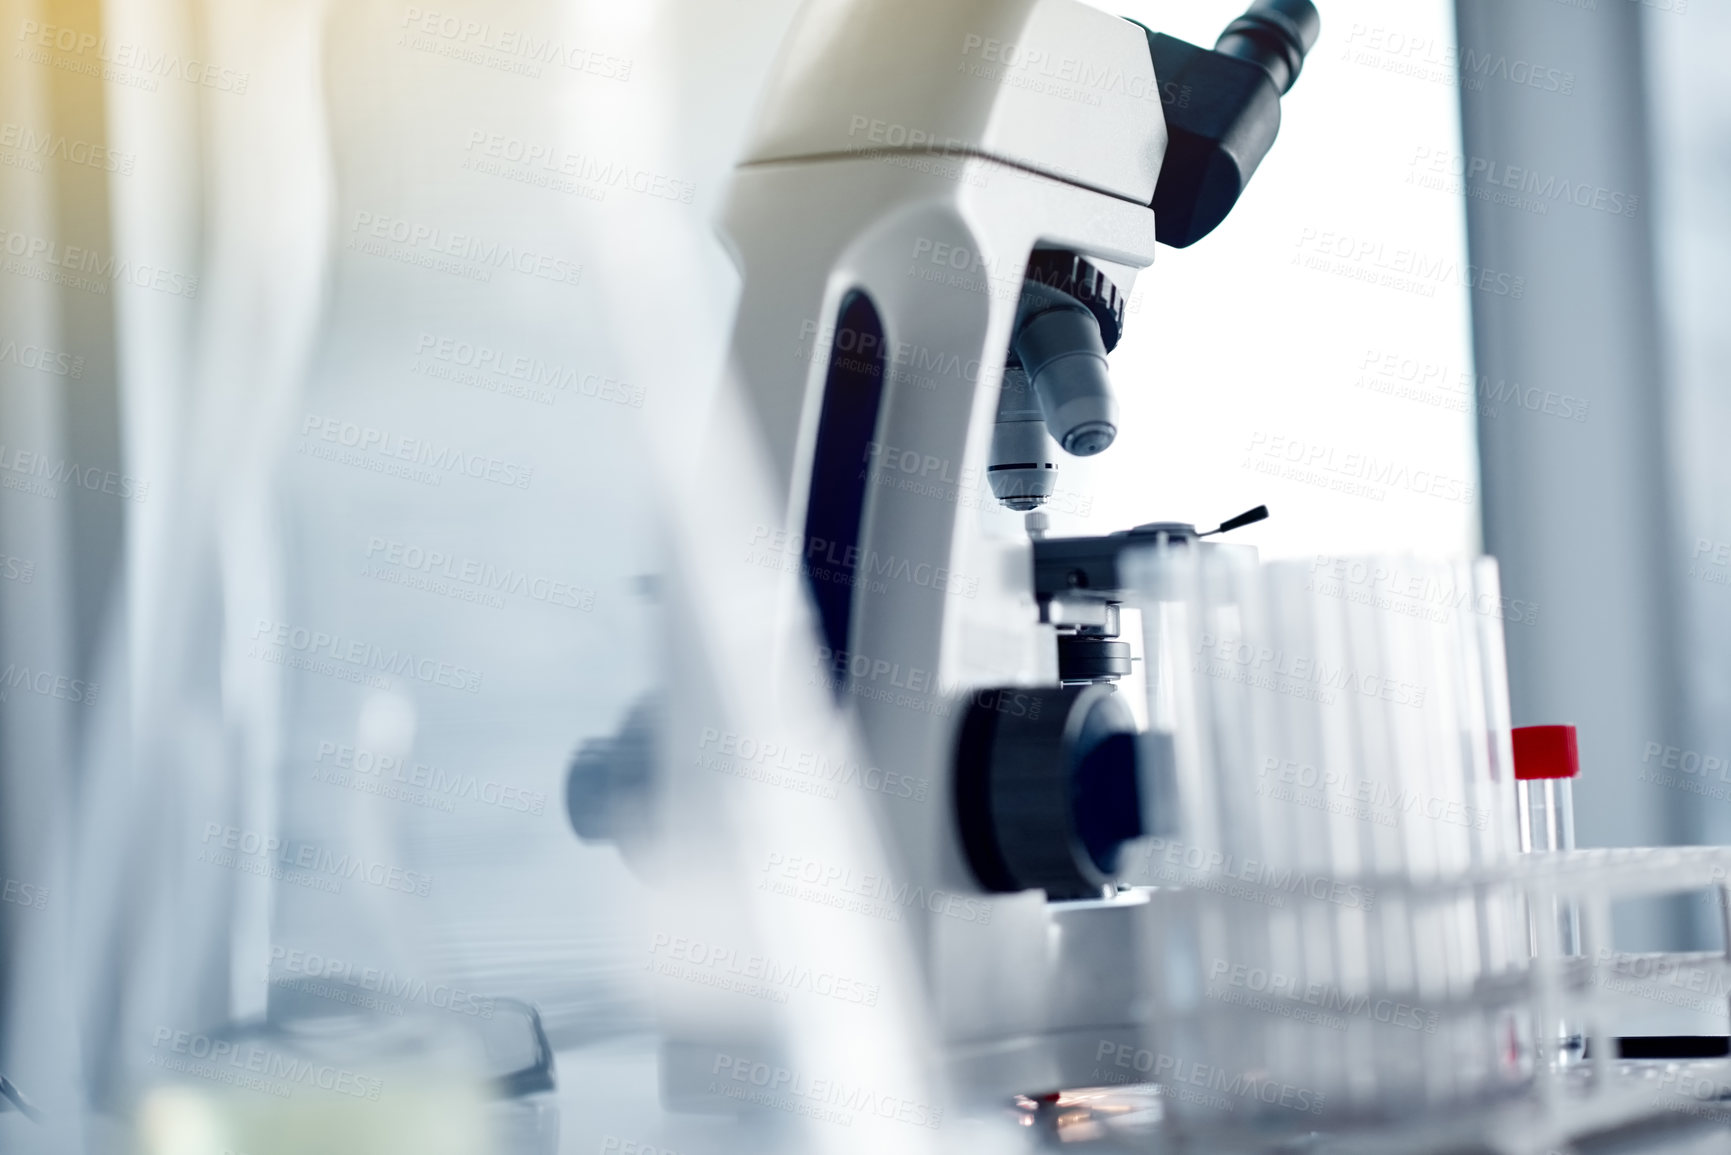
610 783
1047 789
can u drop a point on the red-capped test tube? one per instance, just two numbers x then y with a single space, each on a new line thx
1547 760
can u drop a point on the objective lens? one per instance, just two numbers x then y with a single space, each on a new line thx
1066 363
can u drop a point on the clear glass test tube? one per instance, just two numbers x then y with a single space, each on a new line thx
1547 760
1547 810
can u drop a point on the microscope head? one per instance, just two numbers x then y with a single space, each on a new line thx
1222 110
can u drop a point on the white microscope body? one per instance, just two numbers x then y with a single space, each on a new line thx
922 173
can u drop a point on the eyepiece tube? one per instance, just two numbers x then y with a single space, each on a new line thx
1065 360
1276 34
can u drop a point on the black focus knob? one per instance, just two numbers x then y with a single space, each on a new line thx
1048 789
610 783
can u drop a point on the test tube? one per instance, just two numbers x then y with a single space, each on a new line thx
1547 759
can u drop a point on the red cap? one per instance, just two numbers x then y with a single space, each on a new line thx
1546 752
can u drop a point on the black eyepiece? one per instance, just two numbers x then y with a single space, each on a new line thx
1223 112
1275 34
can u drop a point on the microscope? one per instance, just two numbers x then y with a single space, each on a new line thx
944 209
938 221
